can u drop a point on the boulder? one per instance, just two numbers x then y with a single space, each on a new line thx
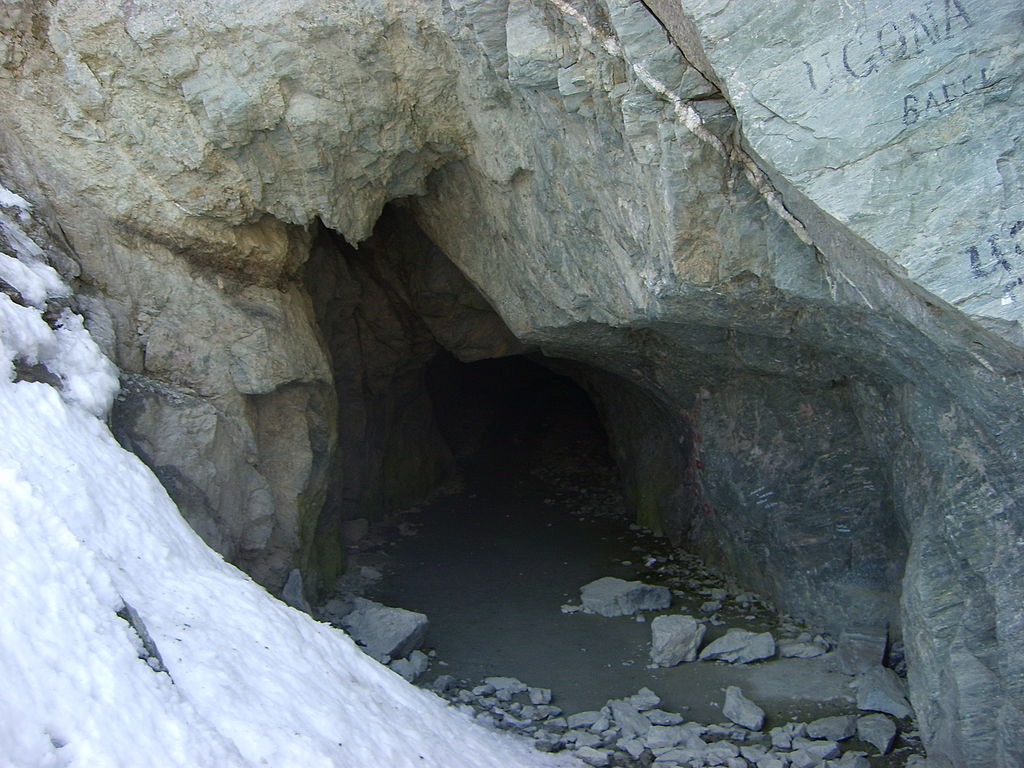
833 728
742 710
739 646
385 633
675 639
610 596
877 730
803 647
412 667
880 690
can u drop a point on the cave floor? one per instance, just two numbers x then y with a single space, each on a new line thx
493 562
492 565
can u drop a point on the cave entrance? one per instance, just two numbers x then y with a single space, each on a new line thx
508 418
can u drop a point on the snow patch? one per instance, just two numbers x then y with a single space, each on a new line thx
86 530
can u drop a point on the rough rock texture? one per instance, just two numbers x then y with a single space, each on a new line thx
609 596
820 389
675 639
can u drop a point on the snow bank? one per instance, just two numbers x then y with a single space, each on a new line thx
85 528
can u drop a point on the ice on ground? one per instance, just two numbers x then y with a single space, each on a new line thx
86 529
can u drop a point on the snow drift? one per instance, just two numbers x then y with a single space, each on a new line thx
125 640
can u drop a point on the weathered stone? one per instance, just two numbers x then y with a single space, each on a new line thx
412 667
609 596
835 728
631 723
877 730
592 756
803 647
819 749
742 710
675 639
383 632
880 690
644 699
740 647
540 695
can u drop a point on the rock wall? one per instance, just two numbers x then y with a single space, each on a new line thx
794 230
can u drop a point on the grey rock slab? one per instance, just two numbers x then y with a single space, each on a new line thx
740 646
675 639
877 730
803 647
509 684
661 717
644 699
821 749
609 596
382 631
880 690
802 759
851 760
628 718
835 728
592 756
540 695
742 710
583 719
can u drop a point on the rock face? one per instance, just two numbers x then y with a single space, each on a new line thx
782 251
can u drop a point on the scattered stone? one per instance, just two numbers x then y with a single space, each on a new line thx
384 633
570 609
802 759
880 690
861 649
644 699
591 756
771 761
822 750
628 718
412 667
661 717
583 719
582 738
852 760
833 728
540 695
878 731
443 684
742 710
509 684
710 606
739 646
609 596
803 647
675 639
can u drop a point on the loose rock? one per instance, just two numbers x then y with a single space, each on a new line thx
880 690
833 728
675 639
384 633
742 710
877 730
610 596
740 647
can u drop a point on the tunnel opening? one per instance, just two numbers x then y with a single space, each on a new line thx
482 481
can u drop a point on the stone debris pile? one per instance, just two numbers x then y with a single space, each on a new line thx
634 732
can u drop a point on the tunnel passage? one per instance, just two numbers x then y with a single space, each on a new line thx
514 415
774 479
